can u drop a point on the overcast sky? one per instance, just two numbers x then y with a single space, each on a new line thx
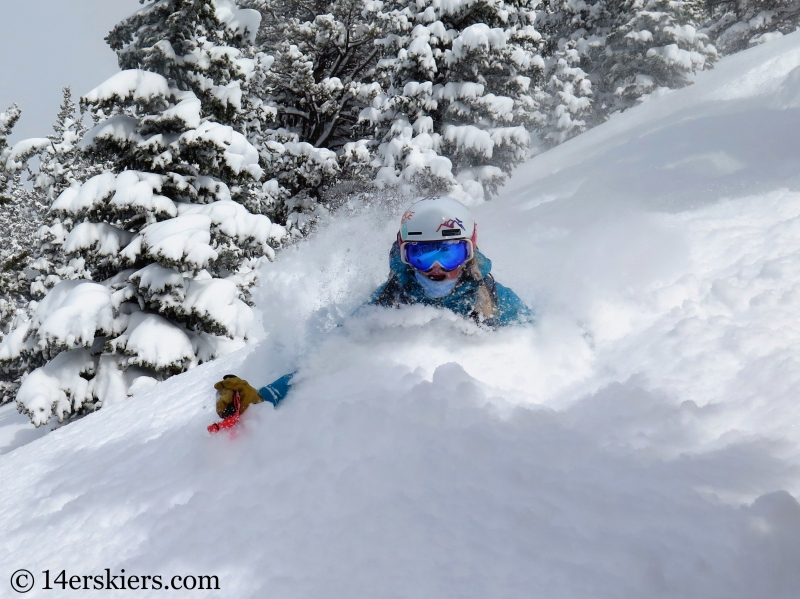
47 44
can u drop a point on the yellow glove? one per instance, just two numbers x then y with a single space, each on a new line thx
226 387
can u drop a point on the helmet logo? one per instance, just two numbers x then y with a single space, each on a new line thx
406 216
452 223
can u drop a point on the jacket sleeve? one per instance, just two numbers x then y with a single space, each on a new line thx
277 390
510 308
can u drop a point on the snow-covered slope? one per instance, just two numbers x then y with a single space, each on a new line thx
640 441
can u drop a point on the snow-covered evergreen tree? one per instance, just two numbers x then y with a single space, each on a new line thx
320 80
33 262
459 101
572 31
584 22
61 165
19 207
737 24
236 86
165 234
198 46
8 120
324 54
20 214
653 45
566 101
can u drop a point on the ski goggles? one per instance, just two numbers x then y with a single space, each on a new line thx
450 254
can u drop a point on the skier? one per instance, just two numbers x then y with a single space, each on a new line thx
435 262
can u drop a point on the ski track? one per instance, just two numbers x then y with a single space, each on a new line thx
639 441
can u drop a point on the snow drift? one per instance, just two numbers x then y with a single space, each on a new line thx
639 441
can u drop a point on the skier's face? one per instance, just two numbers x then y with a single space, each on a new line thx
437 273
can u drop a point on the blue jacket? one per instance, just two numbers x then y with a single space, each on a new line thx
476 295
502 308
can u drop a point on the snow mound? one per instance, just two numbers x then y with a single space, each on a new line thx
233 220
79 198
477 36
23 150
107 239
134 84
241 20
119 128
72 312
238 153
218 300
183 239
54 387
138 191
157 342
639 441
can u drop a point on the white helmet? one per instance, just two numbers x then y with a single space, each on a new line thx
433 219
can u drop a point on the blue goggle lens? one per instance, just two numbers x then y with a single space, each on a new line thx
449 254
